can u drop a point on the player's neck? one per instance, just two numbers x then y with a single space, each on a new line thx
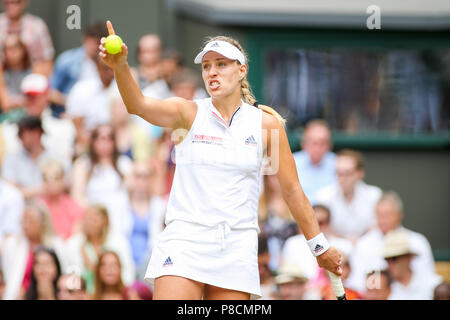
227 105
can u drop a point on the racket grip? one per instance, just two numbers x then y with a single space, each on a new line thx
338 288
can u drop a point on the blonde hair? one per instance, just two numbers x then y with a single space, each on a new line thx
246 92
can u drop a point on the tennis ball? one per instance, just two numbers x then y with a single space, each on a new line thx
113 44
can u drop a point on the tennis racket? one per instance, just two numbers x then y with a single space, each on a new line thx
338 288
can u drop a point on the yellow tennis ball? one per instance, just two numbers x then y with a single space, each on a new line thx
113 44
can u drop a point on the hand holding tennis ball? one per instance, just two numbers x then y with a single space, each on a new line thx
112 49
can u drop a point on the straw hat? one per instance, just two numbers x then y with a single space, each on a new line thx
289 273
396 243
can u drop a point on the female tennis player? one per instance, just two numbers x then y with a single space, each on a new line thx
209 246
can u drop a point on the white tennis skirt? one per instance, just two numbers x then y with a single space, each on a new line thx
218 256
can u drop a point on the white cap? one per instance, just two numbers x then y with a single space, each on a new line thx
34 84
224 48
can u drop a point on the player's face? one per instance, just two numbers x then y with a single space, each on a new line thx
221 75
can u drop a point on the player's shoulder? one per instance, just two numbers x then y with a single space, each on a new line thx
269 121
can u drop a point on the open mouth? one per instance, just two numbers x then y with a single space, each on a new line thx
214 84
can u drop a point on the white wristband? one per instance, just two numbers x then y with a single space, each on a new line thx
318 244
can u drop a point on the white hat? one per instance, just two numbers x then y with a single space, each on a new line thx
224 48
290 272
34 84
396 243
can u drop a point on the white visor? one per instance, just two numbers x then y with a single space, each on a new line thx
224 48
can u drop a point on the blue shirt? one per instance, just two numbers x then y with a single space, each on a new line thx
139 238
315 177
67 69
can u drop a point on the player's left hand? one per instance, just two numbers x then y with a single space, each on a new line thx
331 260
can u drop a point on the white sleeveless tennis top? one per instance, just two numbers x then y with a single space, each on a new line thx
218 169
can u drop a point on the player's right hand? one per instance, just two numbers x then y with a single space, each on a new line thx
112 60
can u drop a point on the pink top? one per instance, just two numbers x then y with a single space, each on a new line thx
64 214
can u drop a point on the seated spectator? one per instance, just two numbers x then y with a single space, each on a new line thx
17 254
72 287
147 212
33 32
441 292
316 164
267 280
108 279
351 201
138 291
292 283
406 283
88 104
185 84
16 66
100 177
22 168
76 64
378 285
149 57
131 139
367 255
59 133
327 290
11 208
65 213
2 284
45 273
276 219
83 249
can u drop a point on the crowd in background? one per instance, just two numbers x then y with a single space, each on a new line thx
84 185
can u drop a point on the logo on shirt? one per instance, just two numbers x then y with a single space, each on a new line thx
201 138
168 262
251 141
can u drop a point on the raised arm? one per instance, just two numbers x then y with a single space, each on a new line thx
172 113
278 151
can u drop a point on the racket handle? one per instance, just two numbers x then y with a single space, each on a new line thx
338 288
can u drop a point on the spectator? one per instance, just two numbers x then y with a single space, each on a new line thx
65 213
11 208
88 104
131 139
16 66
72 287
368 250
83 249
316 164
378 285
441 292
76 64
138 291
17 255
146 212
267 280
44 276
351 201
292 283
2 284
33 32
22 168
108 279
276 219
149 56
327 290
60 133
185 84
99 177
407 284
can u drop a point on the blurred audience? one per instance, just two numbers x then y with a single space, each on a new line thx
291 282
351 201
368 250
108 278
267 280
45 274
82 250
17 253
316 163
33 32
378 285
148 72
2 284
100 177
65 213
138 291
441 292
407 284
12 204
72 287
